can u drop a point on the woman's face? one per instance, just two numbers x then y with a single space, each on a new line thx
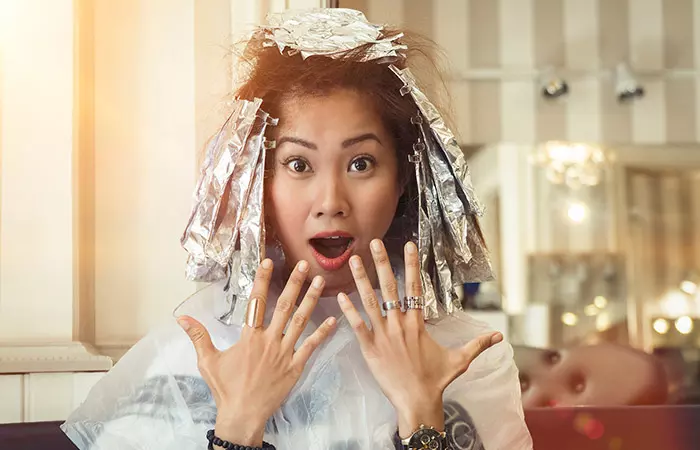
335 184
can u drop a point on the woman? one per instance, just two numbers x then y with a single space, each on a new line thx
359 163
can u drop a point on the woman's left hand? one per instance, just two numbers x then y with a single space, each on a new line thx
411 368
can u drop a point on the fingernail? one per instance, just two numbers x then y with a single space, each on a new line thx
330 321
411 248
496 338
267 264
356 262
376 245
318 282
342 298
303 266
184 324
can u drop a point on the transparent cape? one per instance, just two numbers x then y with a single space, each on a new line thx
154 397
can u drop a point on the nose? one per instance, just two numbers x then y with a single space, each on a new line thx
331 198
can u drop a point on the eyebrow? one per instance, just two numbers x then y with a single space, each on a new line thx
346 143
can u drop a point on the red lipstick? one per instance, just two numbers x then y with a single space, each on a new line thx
332 249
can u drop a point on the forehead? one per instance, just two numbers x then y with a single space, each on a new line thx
335 115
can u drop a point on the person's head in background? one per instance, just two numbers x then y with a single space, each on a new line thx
340 174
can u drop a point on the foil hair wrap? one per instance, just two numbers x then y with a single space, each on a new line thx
451 248
230 241
225 234
329 32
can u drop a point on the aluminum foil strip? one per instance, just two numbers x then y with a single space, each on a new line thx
430 310
446 148
240 178
454 213
252 240
329 32
448 142
250 251
197 231
443 282
209 246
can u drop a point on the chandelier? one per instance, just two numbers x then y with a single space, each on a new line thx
570 163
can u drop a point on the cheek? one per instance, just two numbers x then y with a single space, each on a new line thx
376 203
285 209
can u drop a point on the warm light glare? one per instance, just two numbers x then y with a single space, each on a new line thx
661 326
602 322
689 287
684 325
590 310
675 303
577 212
600 301
572 164
569 319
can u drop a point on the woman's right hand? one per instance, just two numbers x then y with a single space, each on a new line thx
250 380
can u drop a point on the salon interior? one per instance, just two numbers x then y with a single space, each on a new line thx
580 121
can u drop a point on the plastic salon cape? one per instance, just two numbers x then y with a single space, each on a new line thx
154 398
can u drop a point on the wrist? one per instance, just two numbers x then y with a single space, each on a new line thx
430 414
240 431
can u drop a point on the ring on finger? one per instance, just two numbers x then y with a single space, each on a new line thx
414 302
254 317
388 306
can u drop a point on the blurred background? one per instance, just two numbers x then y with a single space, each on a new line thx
580 119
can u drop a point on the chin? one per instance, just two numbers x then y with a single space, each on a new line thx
337 281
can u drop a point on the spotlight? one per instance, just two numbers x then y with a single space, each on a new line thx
591 310
661 326
689 287
577 212
600 302
569 319
553 86
684 325
627 87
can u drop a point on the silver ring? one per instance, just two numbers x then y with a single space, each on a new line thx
414 302
388 306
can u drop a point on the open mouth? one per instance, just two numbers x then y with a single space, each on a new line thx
331 247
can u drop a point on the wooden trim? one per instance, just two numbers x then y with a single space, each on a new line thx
66 357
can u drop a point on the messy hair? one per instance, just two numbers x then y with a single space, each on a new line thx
278 77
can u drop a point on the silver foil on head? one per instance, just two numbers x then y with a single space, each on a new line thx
454 253
329 32
445 138
225 235
227 239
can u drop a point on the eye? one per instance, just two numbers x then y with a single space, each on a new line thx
297 165
361 164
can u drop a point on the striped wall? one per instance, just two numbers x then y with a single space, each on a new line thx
496 46
664 226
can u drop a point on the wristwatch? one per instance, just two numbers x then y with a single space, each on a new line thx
427 438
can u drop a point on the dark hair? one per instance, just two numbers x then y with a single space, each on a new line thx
277 77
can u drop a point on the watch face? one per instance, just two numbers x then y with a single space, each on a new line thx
426 439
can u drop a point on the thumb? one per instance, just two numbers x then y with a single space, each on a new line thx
477 346
198 335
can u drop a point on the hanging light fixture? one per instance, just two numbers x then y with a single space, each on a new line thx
571 163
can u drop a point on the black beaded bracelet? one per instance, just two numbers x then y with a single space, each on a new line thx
213 440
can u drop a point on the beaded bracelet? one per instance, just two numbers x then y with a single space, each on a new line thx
213 440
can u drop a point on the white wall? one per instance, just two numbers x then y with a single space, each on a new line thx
144 161
36 146
104 106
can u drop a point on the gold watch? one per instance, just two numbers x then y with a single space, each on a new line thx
427 438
